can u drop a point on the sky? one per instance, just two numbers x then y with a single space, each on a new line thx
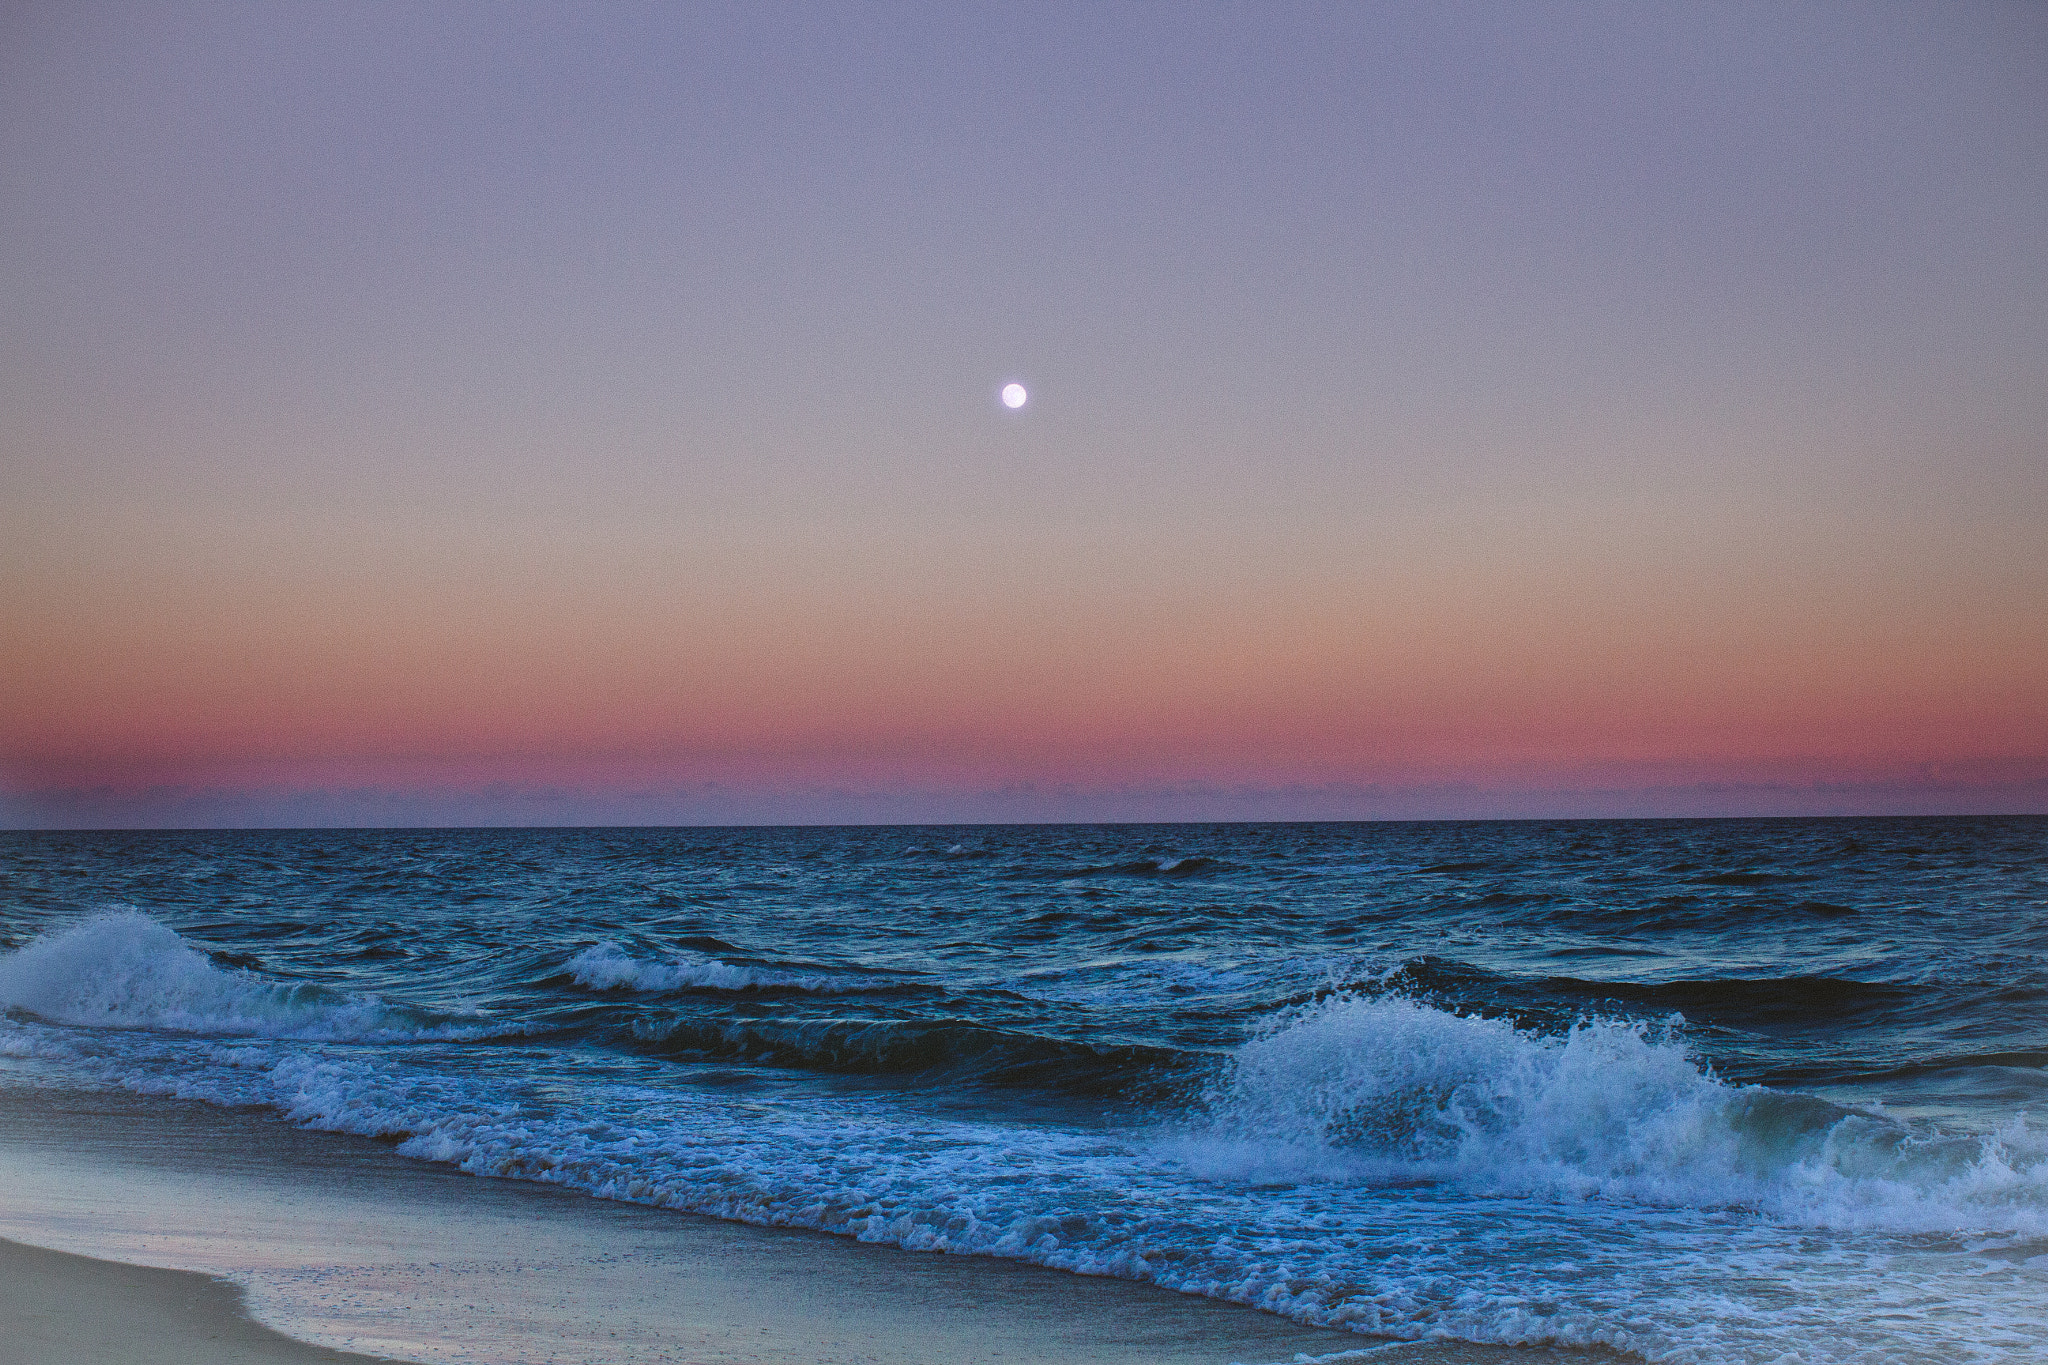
561 414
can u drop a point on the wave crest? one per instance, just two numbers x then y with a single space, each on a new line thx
1387 1088
122 969
606 966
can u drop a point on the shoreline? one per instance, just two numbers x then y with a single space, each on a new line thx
65 1309
338 1249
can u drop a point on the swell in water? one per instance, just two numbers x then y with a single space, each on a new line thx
1328 1125
124 970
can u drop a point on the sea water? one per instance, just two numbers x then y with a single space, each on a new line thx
1703 1091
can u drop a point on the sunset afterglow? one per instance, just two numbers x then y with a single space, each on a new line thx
1436 419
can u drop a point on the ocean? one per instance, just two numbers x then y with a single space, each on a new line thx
1710 1091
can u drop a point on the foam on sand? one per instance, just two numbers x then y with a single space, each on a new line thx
337 1243
1363 1160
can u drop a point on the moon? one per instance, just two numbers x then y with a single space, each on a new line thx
1014 395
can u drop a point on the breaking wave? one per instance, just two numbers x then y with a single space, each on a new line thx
124 970
1389 1089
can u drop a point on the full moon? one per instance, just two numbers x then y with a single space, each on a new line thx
1014 395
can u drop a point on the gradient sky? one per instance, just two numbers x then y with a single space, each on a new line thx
547 414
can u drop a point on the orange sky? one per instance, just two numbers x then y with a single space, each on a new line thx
1497 649
1435 411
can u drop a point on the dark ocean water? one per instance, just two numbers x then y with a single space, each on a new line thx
1706 1091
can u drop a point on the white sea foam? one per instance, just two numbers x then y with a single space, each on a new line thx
1372 1163
1386 1088
124 970
607 966
1465 1257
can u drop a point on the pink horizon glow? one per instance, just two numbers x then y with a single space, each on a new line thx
1430 411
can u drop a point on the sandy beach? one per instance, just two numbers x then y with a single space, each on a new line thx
74 1310
63 1309
337 1242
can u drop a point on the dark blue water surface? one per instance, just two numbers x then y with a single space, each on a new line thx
1702 1090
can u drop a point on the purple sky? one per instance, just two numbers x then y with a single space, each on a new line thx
563 413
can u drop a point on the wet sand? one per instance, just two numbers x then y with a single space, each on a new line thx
339 1241
72 1310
